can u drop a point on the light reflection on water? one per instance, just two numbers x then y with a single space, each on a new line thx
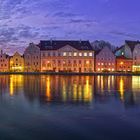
72 89
67 107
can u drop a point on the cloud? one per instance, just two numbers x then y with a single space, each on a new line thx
24 21
125 34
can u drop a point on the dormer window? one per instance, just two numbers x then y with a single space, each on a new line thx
75 54
64 54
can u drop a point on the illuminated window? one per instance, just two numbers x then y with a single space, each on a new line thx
109 64
80 54
112 69
87 62
102 64
122 53
98 69
85 54
64 53
98 63
109 69
75 54
90 54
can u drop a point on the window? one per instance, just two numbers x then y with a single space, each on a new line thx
43 54
85 54
98 63
49 54
70 54
59 54
90 54
53 53
75 54
87 62
74 61
80 54
64 53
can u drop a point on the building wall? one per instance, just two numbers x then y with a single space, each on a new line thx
124 64
67 59
32 58
136 58
128 52
105 60
4 62
17 63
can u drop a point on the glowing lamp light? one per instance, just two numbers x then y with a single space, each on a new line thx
87 62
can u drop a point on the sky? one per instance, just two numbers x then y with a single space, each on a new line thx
25 21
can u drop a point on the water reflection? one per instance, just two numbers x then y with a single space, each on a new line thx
72 89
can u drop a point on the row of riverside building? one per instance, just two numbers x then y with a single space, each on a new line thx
72 56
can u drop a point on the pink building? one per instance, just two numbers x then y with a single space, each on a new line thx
105 60
4 62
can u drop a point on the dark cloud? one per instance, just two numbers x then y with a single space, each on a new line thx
125 34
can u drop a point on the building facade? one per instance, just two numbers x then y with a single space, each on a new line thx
124 64
17 63
4 62
136 58
32 58
131 50
66 56
105 60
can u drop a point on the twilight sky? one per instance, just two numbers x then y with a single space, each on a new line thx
24 21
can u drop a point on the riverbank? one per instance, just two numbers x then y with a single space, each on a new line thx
65 73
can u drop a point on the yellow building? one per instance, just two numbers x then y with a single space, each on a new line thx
17 63
66 56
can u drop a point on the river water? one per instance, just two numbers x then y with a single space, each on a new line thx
69 107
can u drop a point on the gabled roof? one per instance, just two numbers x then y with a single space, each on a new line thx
57 44
98 51
132 44
119 48
123 57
